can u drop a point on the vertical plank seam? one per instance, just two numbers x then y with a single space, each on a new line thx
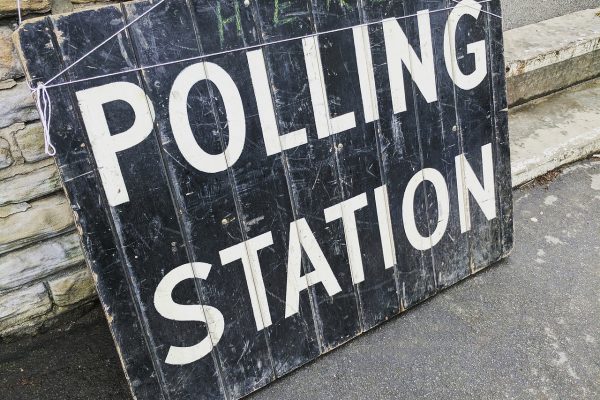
410 33
497 95
172 194
384 181
233 184
317 321
106 210
459 133
333 147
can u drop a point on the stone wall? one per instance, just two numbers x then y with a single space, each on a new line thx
43 275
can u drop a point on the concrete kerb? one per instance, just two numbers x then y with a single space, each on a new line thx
554 117
555 130
552 55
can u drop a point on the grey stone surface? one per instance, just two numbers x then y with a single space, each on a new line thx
17 105
7 84
72 288
30 140
552 55
39 261
29 186
554 130
9 7
21 168
12 209
523 12
61 6
19 306
527 328
10 67
540 82
47 217
6 158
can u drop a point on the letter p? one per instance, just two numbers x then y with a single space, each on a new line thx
106 146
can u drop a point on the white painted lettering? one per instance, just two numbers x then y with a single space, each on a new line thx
248 252
418 241
346 211
385 226
469 81
399 52
316 83
366 74
467 182
166 306
180 124
274 143
301 237
106 146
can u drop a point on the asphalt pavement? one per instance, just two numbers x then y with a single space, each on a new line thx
526 328
524 12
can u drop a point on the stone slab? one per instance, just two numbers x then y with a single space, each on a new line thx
17 105
39 260
554 130
47 217
29 186
72 288
9 7
21 305
30 140
551 55
6 158
10 67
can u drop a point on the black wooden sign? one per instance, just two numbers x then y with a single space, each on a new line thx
257 182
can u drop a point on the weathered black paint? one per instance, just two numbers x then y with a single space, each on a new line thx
401 159
178 215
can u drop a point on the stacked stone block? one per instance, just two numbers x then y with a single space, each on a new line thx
42 270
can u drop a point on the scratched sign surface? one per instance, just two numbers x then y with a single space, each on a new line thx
257 182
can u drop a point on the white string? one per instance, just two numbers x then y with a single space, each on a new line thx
41 91
42 98
483 11
104 42
48 146
19 11
44 106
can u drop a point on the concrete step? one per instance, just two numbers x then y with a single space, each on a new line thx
554 130
551 55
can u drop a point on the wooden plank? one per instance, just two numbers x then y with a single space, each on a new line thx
80 181
312 173
402 159
357 158
500 118
474 117
441 142
261 189
146 226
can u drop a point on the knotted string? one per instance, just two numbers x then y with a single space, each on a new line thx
44 106
40 92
